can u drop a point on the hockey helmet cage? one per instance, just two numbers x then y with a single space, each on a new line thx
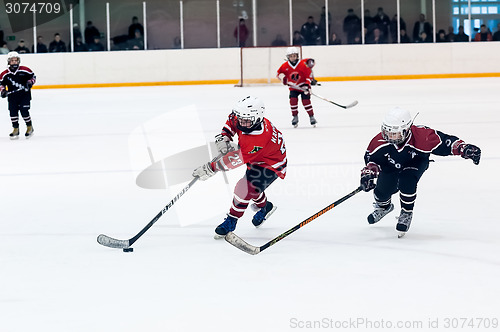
396 126
249 113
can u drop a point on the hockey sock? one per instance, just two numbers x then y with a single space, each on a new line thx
261 201
407 201
294 106
308 106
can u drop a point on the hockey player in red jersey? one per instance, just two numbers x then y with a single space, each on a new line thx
298 75
261 148
15 83
398 156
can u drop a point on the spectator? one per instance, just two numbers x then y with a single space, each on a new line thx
423 38
76 31
21 47
376 37
383 22
135 26
484 34
496 35
441 36
57 45
404 37
322 25
461 36
394 27
370 25
451 36
351 26
334 40
298 40
136 43
177 42
279 41
241 33
80 45
4 49
90 32
420 26
40 46
310 32
96 46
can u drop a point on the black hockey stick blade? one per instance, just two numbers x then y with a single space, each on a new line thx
239 243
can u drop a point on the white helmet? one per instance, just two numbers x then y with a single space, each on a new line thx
11 55
250 113
396 126
290 51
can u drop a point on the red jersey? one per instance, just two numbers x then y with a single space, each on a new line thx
264 147
300 74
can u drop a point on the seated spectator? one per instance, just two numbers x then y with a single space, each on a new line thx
135 26
57 45
484 34
96 46
278 41
496 35
297 40
136 43
461 36
177 43
423 38
334 40
40 46
421 26
80 45
21 48
4 49
451 36
375 37
404 37
441 37
76 31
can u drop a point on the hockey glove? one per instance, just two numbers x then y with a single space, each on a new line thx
222 143
314 82
29 84
285 81
4 93
368 175
469 151
204 172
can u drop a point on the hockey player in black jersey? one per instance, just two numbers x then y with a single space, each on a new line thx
15 83
398 156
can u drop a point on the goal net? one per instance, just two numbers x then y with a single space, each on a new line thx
260 64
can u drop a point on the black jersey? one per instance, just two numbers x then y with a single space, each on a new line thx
16 82
421 142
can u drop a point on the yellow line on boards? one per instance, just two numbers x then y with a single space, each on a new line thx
322 79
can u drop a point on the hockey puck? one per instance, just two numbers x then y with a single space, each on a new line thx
128 249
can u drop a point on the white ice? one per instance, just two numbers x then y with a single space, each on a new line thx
76 178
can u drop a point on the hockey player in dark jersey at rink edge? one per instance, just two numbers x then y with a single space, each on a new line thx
15 83
398 156
261 148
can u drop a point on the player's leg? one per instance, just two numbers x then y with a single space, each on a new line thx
294 107
408 181
306 102
387 185
14 118
25 113
261 178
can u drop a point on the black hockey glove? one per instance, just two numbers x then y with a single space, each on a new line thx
469 151
29 84
314 82
223 144
368 175
4 93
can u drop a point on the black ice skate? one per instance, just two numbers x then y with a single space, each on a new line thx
14 134
379 212
404 222
295 121
29 132
313 120
227 226
263 214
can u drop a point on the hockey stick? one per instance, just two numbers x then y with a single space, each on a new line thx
239 243
124 244
351 105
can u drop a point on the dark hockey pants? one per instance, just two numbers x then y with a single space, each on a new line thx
251 187
405 181
14 110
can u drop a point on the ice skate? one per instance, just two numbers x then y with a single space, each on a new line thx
379 212
14 134
29 132
227 226
313 121
404 221
263 214
295 121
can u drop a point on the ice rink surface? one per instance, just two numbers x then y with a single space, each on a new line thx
77 178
